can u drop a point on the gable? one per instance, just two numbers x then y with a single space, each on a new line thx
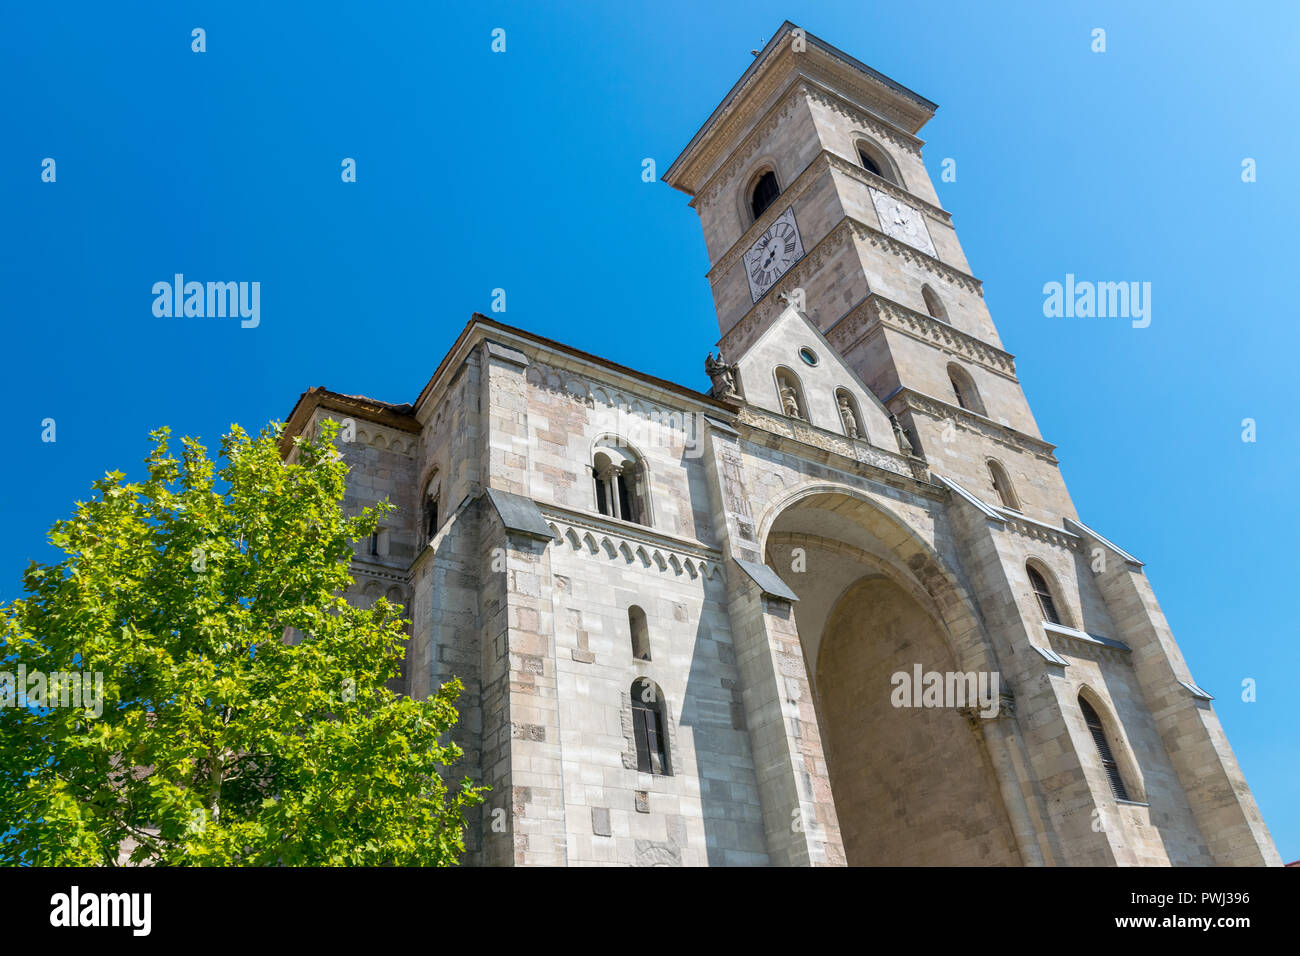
779 347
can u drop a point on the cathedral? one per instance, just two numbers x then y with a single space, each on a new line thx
838 610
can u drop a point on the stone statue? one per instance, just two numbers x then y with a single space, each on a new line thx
794 298
848 418
790 402
723 377
904 445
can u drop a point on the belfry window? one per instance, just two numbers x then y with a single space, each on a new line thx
619 478
963 389
648 728
933 305
1108 762
874 161
764 193
869 164
1002 485
1046 602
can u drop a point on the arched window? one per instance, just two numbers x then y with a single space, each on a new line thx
933 305
764 193
1046 601
790 394
619 478
1002 485
640 633
963 388
875 161
1108 762
648 728
850 417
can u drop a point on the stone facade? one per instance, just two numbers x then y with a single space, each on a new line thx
681 618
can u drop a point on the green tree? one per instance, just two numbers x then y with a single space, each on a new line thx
245 717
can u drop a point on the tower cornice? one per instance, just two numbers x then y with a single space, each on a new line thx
776 63
904 399
821 163
737 339
876 312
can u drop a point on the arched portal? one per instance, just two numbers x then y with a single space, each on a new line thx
912 785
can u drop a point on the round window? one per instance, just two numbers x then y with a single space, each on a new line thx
808 355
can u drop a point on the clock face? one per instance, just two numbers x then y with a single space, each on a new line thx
772 254
900 221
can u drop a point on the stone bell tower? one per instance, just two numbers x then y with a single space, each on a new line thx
819 148
846 308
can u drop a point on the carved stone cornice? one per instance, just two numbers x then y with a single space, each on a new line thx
631 544
821 163
751 325
723 178
868 121
890 106
868 178
936 267
800 90
776 429
1029 528
773 212
907 400
875 312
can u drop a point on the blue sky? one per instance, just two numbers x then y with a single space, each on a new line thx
522 171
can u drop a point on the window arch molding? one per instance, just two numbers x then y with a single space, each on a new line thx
1126 765
934 306
964 391
620 480
784 376
650 731
1042 581
1006 491
744 199
867 150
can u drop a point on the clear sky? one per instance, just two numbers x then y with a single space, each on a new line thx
522 170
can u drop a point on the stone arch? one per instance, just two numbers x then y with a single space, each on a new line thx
610 456
867 149
933 304
913 782
926 567
1064 612
964 390
744 198
1003 487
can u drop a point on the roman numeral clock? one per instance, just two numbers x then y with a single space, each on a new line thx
772 254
